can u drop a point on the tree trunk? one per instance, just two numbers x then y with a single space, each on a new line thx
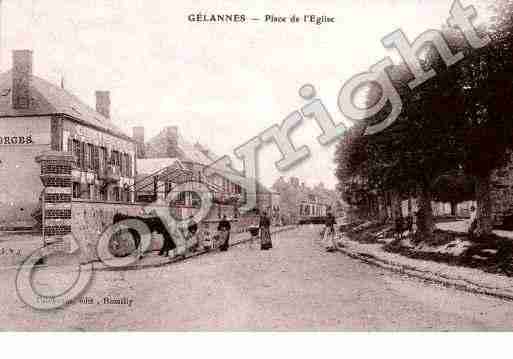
395 204
453 208
426 225
388 206
381 208
484 207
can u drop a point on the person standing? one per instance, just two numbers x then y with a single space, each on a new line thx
192 228
265 232
329 232
224 229
472 224
399 227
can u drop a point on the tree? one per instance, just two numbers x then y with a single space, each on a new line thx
461 118
485 83
420 145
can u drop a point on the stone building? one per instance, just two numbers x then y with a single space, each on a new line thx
37 116
298 202
168 159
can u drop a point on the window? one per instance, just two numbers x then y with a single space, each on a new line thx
195 200
88 157
116 193
92 192
103 194
127 195
83 165
126 165
103 159
76 149
115 158
76 190
85 191
181 198
95 158
122 164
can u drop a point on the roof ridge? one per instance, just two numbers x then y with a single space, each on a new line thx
53 99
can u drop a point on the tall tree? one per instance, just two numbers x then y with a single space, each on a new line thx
485 78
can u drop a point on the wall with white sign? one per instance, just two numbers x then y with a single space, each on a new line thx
22 140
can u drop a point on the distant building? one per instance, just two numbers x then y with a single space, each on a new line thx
299 203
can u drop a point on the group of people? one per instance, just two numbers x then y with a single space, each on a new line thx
263 228
223 229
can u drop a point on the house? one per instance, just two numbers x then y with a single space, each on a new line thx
300 203
168 159
37 116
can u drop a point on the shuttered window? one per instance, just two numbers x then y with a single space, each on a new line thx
95 159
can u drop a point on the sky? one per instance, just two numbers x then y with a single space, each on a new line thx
221 84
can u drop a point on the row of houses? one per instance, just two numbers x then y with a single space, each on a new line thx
110 169
302 203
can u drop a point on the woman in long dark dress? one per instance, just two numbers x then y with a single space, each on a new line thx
224 228
265 232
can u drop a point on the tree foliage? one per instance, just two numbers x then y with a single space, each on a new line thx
461 118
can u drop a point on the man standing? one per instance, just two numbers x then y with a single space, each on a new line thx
224 228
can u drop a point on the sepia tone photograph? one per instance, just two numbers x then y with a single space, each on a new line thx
230 166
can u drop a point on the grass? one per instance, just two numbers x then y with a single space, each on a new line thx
492 253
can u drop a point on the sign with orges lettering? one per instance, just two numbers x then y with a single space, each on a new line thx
16 140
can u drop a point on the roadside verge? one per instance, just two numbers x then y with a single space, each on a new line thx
468 279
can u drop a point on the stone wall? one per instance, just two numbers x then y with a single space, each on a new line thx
90 219
501 181
20 186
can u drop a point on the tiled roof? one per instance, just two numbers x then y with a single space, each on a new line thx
51 99
193 153
148 166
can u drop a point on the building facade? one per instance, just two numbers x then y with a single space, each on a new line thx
301 203
37 116
168 160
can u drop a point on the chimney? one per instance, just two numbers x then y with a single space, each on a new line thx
172 141
138 136
172 131
103 103
21 79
